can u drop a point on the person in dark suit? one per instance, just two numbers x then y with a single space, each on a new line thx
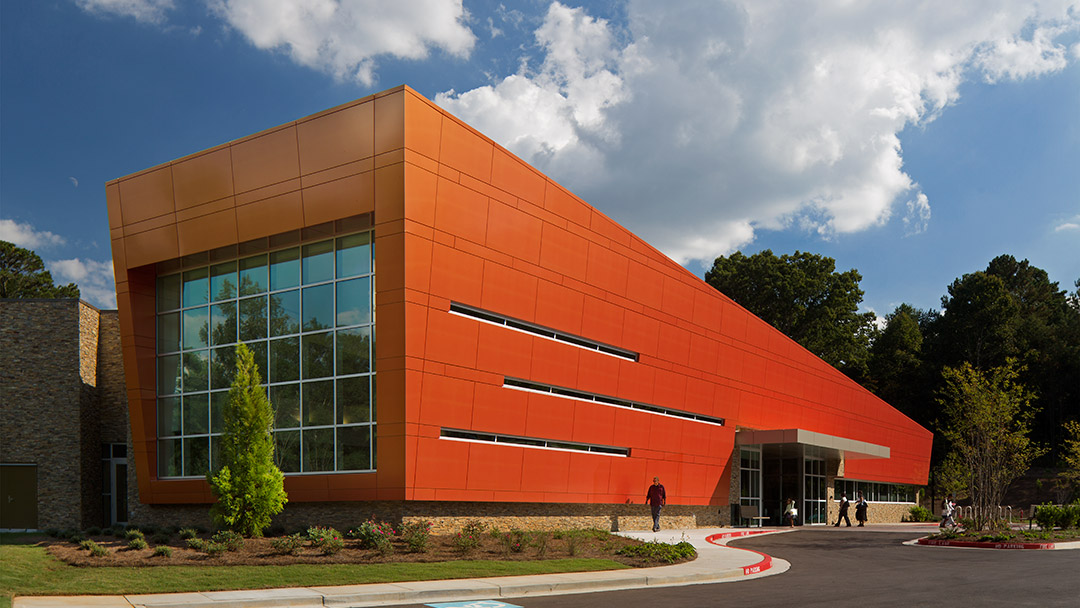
844 504
860 510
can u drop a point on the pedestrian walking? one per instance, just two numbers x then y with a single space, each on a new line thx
656 497
860 510
948 510
844 504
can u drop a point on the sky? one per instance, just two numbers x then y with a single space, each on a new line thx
912 141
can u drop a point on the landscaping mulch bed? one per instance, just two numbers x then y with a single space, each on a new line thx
260 552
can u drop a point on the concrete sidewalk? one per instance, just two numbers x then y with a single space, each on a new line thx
715 563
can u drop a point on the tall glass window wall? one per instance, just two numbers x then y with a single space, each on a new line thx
307 314
874 492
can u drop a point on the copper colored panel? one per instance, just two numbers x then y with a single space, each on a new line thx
265 160
423 125
112 204
152 246
465 150
337 138
420 188
146 195
202 179
390 122
340 198
269 216
390 193
207 232
514 176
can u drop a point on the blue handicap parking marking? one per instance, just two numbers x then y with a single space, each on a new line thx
474 604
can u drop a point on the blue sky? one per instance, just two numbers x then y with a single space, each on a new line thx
912 142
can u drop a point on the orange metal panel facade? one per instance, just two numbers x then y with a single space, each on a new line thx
458 219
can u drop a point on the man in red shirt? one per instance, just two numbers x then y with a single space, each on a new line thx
657 497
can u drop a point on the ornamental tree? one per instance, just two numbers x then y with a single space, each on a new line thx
249 487
987 417
23 275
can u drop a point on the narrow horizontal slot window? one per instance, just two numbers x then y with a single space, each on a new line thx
573 393
532 442
540 330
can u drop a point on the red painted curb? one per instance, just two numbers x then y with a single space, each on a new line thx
761 566
983 545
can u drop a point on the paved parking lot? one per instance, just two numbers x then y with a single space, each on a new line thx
833 567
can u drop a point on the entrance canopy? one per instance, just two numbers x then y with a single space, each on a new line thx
827 445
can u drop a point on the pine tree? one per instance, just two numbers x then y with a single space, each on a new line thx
249 487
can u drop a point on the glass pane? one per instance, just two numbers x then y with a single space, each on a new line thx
168 375
318 403
196 322
318 262
287 451
223 323
353 255
284 269
253 277
285 359
196 287
354 448
285 313
319 450
353 353
168 292
354 302
196 414
258 354
168 332
373 417
196 456
218 401
196 371
222 367
215 454
253 318
353 400
319 307
286 401
170 460
318 355
168 415
223 281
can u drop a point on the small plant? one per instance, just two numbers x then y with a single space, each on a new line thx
116 532
573 543
374 535
513 541
417 535
92 531
214 549
77 537
161 538
540 542
87 544
137 544
197 544
1047 516
326 540
162 551
52 532
660 552
468 540
134 533
187 533
232 540
292 544
98 551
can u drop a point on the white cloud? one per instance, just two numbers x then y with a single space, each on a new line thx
1070 224
74 181
25 236
146 11
95 279
344 37
704 122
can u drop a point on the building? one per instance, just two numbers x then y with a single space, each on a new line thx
448 333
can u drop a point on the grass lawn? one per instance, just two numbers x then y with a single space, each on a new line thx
29 570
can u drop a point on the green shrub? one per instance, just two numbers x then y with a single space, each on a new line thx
197 544
1047 516
468 540
137 543
540 542
162 551
1070 516
918 513
513 541
232 540
98 551
87 544
214 549
288 545
373 535
187 533
660 552
160 538
326 540
116 531
133 533
573 542
69 534
92 531
52 532
77 537
417 535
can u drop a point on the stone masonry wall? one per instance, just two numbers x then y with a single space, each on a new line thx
40 422
89 415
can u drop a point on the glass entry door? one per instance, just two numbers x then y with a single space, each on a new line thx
114 484
814 511
750 484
